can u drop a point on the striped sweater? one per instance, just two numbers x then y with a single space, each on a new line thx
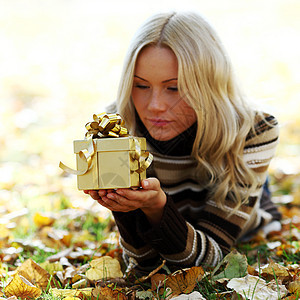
193 230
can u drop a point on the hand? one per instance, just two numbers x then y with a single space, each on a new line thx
150 199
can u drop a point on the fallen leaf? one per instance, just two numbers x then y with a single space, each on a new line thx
236 266
275 270
294 287
144 295
157 281
51 268
35 274
43 219
255 288
106 293
185 281
71 293
22 288
103 268
193 296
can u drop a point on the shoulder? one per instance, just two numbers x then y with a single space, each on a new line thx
265 129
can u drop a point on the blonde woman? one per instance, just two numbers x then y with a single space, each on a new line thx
206 187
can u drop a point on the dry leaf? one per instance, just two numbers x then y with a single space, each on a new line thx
71 293
41 219
103 268
35 274
106 293
52 268
185 281
157 281
21 287
294 287
255 288
280 271
193 296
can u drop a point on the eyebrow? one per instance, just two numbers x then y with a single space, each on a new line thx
162 81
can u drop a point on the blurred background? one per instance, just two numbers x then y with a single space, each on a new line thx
60 62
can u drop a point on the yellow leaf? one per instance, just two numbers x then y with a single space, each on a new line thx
22 288
34 273
184 282
4 232
71 293
106 293
294 287
272 268
52 268
41 220
103 268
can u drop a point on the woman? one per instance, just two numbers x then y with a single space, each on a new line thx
211 150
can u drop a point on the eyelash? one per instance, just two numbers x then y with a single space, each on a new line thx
144 87
140 86
173 88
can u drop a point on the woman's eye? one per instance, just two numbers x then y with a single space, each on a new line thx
141 86
173 88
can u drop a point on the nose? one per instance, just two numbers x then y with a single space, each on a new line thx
156 102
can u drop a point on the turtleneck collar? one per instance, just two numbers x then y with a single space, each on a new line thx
181 145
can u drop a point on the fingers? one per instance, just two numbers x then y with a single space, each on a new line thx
110 200
151 183
96 194
125 199
115 202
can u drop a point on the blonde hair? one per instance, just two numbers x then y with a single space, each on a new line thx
206 82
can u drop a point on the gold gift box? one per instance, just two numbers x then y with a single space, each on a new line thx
113 165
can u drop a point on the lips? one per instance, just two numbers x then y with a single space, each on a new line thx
159 122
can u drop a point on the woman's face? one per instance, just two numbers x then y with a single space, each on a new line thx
164 113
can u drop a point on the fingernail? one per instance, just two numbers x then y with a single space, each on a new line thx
145 183
110 196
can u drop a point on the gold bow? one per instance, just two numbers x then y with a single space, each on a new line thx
107 125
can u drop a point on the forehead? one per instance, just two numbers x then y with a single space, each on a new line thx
156 60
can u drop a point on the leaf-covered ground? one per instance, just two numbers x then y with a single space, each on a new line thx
54 244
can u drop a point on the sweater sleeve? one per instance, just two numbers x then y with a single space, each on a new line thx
132 244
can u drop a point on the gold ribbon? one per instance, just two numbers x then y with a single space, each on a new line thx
107 125
144 159
86 157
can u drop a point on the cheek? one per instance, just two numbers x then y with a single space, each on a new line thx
187 115
138 101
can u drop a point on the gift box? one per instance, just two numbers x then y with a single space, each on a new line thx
115 164
108 157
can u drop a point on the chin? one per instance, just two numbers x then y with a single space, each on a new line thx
162 137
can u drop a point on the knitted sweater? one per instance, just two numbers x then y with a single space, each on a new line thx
193 229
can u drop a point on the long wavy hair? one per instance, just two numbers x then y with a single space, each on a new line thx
206 82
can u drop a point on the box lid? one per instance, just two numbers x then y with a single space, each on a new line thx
111 144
